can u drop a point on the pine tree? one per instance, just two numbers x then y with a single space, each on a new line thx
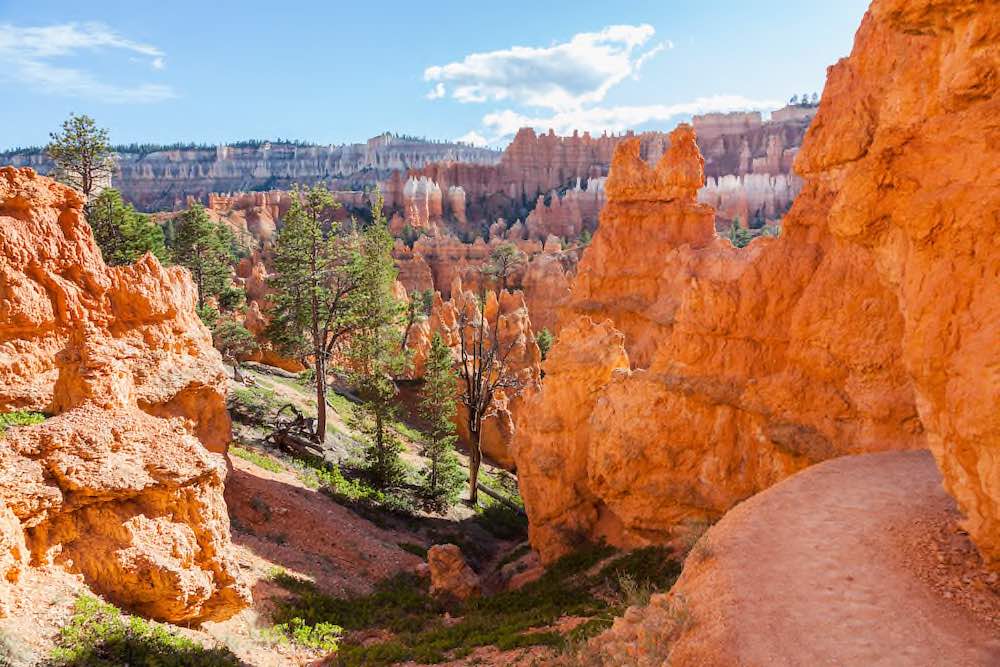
373 351
544 340
82 155
233 340
443 478
123 234
206 249
315 272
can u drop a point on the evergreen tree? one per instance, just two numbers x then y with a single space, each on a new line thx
544 340
443 478
123 234
206 249
738 236
233 340
82 155
373 352
315 272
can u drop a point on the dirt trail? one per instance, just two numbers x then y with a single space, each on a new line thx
822 573
833 566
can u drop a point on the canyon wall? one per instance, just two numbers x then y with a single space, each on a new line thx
689 374
123 482
164 179
692 375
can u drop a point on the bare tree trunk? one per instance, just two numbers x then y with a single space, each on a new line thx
321 396
475 460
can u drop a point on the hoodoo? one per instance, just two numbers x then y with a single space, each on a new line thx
120 483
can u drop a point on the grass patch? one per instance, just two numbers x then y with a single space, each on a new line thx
259 460
19 418
507 620
100 635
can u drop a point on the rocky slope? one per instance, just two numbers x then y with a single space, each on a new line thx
869 325
120 483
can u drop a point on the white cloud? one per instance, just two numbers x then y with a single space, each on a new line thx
437 92
26 54
502 125
473 138
560 77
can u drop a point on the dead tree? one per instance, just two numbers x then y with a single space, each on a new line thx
484 369
295 433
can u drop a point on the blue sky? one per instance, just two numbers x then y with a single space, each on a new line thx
333 72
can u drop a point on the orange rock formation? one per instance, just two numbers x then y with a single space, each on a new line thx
735 368
871 324
120 483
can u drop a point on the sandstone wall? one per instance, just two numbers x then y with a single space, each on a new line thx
119 483
870 324
727 369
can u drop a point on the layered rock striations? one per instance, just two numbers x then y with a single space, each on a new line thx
120 483
164 178
689 375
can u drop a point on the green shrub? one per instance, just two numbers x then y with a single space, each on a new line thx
19 418
503 521
99 635
323 636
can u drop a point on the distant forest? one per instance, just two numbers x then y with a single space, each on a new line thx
146 149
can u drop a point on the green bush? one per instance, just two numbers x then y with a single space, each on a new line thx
323 636
99 635
19 418
503 521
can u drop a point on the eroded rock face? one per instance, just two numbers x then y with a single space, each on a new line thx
904 143
742 366
869 325
120 483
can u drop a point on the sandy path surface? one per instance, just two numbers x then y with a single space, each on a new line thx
819 577
829 567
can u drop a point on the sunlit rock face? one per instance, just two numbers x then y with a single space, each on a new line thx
123 482
870 324
689 375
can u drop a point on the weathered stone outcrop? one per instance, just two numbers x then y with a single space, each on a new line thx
869 325
742 366
451 577
121 483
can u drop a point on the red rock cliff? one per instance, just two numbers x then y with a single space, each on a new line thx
119 483
870 324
